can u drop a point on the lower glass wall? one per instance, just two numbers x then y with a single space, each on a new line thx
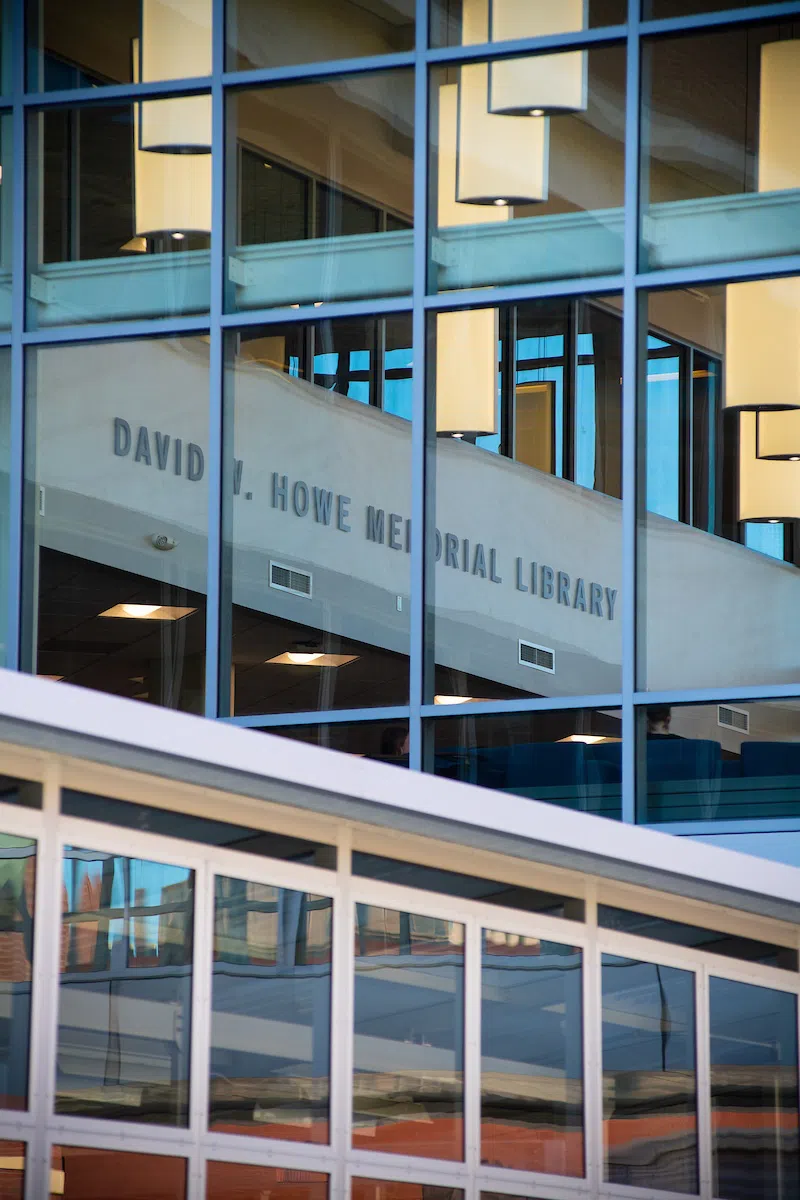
754 1123
12 1170
649 1079
719 762
116 517
84 1173
386 741
243 1181
5 525
572 757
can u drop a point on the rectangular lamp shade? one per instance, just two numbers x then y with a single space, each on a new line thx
172 192
544 84
449 211
778 434
778 141
762 344
768 490
176 39
176 44
466 371
500 160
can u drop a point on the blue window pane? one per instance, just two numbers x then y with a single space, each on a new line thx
125 991
359 360
397 360
397 397
663 437
585 343
766 538
585 425
326 364
270 1022
358 389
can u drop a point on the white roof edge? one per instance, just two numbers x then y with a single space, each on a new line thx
474 815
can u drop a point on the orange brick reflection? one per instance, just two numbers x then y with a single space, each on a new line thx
12 1170
235 1181
78 1173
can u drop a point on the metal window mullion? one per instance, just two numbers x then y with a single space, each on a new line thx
703 1068
484 297
16 473
200 1032
419 650
592 1050
45 994
630 372
216 472
341 1037
472 1046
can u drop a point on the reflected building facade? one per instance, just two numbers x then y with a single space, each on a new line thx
420 380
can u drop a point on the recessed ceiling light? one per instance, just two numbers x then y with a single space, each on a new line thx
148 612
501 203
55 678
300 658
772 521
179 236
452 699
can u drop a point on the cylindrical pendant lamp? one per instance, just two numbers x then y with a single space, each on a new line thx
762 344
500 160
466 342
466 371
176 44
768 490
778 144
542 84
172 189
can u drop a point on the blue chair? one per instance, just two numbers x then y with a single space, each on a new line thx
694 767
770 758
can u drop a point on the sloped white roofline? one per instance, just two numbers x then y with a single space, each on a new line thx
109 729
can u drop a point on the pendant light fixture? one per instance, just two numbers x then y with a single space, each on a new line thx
768 490
543 84
762 336
501 159
172 139
466 342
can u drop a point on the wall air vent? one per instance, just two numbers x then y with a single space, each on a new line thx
733 718
538 657
287 579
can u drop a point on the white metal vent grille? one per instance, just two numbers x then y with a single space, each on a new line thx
733 718
539 657
287 579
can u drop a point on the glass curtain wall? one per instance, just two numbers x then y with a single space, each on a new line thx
351 369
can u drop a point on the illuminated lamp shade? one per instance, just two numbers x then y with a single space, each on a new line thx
762 344
466 371
176 44
778 146
542 84
768 490
778 434
499 160
172 190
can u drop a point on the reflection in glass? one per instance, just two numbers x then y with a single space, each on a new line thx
125 212
386 741
409 1041
5 496
719 454
721 762
527 534
649 1082
88 44
116 517
527 162
17 883
270 1022
382 1189
513 20
324 180
125 990
240 1181
320 508
12 1170
572 757
754 1097
301 31
81 1173
721 170
531 1055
